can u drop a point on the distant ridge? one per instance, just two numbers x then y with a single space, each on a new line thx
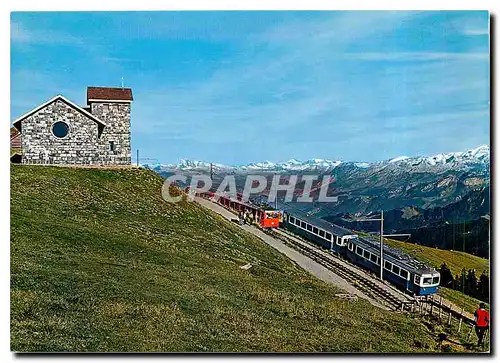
479 155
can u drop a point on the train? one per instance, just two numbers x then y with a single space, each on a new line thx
401 270
263 215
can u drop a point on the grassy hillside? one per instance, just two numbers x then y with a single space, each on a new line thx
99 262
455 260
469 303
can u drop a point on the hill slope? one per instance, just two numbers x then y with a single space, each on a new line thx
99 262
455 260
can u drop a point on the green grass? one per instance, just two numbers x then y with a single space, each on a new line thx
99 262
469 303
460 342
455 260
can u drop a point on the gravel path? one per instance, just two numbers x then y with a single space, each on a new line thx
305 262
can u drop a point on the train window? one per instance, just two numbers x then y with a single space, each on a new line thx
395 269
373 258
272 215
303 224
427 281
315 230
435 280
328 236
321 233
404 274
309 227
292 220
351 246
388 265
366 254
359 250
297 222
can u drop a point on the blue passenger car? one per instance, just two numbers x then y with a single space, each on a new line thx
403 271
322 233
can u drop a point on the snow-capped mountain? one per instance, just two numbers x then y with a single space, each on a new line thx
290 165
185 164
264 165
420 182
399 158
479 156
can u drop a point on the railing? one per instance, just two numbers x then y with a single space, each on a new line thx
448 314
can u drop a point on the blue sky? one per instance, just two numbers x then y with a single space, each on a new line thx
237 87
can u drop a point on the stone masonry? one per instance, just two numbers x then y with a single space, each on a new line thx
40 146
116 116
97 135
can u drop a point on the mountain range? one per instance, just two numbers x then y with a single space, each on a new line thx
474 157
427 196
421 182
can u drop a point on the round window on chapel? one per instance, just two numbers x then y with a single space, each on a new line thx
60 129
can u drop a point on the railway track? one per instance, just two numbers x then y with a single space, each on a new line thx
349 273
357 278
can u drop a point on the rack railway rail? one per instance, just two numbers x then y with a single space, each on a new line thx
359 279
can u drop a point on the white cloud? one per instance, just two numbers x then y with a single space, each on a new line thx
340 28
416 56
476 31
20 34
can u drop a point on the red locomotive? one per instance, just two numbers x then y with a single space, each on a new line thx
271 219
264 217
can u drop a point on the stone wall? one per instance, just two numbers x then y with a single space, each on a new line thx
116 116
82 145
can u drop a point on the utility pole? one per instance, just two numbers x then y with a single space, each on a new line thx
276 198
334 238
382 244
137 161
211 171
382 235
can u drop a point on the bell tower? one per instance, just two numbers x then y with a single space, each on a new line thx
112 106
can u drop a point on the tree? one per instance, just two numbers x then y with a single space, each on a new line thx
457 283
471 283
446 276
484 287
